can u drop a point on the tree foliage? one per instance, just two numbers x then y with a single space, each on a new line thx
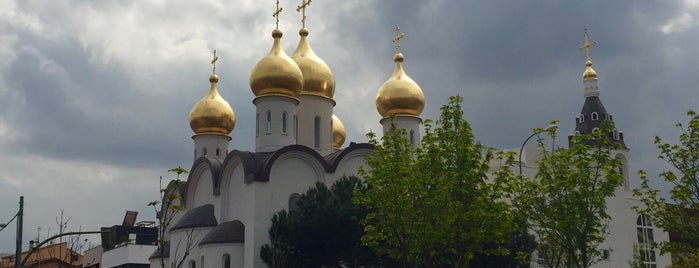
566 200
435 206
167 207
323 232
679 214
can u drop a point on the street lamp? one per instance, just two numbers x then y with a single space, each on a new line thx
536 132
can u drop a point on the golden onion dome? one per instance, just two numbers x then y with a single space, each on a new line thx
589 72
339 133
212 114
317 77
400 95
276 73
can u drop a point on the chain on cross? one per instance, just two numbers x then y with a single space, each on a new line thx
586 46
302 8
276 13
213 62
397 38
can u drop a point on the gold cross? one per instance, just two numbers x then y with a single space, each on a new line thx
276 13
213 62
304 4
586 46
397 38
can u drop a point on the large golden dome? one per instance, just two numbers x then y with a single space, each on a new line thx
589 72
276 73
339 133
400 95
212 114
317 77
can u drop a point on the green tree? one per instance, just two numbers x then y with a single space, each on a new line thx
167 207
566 200
436 206
680 213
324 231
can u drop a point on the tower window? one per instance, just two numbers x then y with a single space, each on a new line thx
269 122
296 126
581 118
284 122
316 132
594 116
293 202
226 261
616 135
218 152
205 152
257 125
412 137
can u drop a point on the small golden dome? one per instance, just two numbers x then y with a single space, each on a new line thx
339 133
276 73
589 72
400 95
317 77
212 114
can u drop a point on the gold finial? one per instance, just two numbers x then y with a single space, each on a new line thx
397 38
302 7
213 62
586 46
276 13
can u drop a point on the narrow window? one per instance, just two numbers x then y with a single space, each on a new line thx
218 152
293 202
257 125
226 261
594 116
192 264
205 153
269 122
296 127
644 231
616 135
284 122
316 132
581 118
412 137
202 262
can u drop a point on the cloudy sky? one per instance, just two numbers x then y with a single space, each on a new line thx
95 95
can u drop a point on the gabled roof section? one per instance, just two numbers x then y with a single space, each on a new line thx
227 232
202 216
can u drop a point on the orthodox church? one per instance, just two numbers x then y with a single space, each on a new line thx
231 196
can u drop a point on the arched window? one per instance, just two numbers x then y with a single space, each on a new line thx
226 261
581 118
205 152
577 132
293 202
269 122
644 232
192 264
594 116
202 262
284 122
257 125
595 130
316 132
218 152
296 127
412 137
616 134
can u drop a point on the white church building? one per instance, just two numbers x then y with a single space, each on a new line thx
231 195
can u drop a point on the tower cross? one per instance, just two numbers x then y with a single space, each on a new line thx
302 8
276 13
397 38
213 62
586 46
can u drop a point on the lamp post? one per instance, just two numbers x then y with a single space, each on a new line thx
536 132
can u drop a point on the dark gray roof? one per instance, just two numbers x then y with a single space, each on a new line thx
202 216
593 104
227 232
156 253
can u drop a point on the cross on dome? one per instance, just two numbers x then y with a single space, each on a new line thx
302 8
213 62
586 46
276 13
397 38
